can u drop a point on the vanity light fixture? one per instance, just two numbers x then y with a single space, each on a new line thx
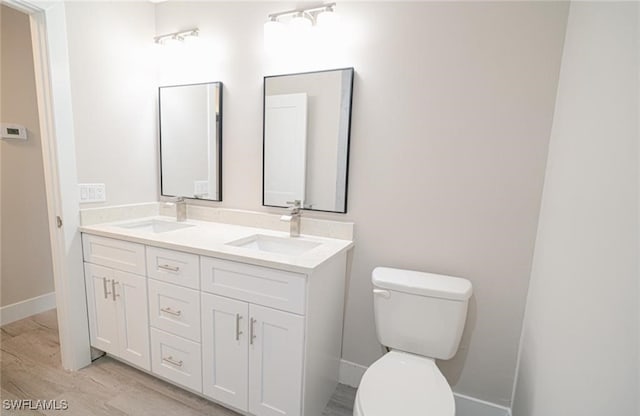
177 37
291 29
302 17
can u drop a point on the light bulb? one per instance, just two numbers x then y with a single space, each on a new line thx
300 32
328 19
300 23
273 35
191 38
171 42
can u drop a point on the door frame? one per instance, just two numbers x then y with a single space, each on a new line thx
53 90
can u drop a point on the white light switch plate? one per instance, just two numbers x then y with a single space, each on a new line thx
92 192
200 188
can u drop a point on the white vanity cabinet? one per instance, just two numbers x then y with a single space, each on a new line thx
261 340
117 303
252 356
255 354
253 320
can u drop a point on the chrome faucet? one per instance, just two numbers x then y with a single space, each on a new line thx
293 218
181 208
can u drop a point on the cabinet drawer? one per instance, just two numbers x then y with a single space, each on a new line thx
175 309
269 287
117 254
174 267
176 359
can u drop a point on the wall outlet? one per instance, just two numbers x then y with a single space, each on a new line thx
92 192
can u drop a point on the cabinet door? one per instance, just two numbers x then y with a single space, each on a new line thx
224 350
130 292
103 325
276 342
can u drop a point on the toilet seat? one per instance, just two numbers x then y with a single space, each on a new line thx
404 384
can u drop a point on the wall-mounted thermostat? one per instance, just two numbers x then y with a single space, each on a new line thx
13 131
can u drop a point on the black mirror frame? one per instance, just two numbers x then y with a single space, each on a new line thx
346 185
219 132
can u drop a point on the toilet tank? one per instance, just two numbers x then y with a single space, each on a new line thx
420 313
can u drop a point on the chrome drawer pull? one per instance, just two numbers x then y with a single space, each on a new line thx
113 290
169 268
171 311
171 361
252 334
238 332
104 287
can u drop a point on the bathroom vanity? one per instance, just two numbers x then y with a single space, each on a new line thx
248 317
244 316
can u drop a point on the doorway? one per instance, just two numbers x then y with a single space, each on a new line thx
47 26
26 269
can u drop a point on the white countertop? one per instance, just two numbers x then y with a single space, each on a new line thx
209 239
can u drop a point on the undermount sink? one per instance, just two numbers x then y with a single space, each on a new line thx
156 226
279 245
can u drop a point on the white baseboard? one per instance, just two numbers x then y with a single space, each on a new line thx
26 308
351 374
470 406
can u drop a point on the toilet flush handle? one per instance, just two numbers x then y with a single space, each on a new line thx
384 293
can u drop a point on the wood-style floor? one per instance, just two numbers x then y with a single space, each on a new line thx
30 369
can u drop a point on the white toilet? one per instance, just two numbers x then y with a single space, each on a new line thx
420 317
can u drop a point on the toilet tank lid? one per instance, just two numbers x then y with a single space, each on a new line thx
423 284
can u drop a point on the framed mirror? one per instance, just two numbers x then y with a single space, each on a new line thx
191 141
306 128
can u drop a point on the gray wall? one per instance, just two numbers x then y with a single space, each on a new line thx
580 341
114 97
26 271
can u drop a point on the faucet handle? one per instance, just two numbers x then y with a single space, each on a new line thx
296 206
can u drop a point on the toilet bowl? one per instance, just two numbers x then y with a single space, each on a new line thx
420 317
404 384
